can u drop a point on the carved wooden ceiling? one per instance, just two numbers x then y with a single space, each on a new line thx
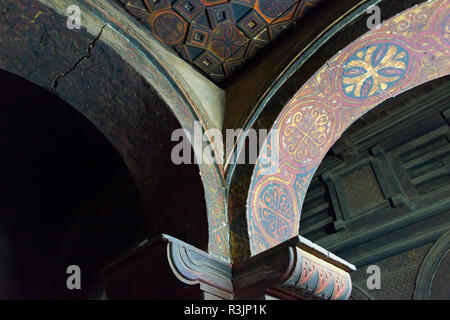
218 36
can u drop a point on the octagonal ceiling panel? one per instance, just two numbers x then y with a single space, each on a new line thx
217 36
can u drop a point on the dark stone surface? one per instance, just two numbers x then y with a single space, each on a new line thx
63 194
91 77
398 274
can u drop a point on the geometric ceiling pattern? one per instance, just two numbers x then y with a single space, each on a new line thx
217 36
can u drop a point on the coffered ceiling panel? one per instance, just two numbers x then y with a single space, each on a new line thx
217 36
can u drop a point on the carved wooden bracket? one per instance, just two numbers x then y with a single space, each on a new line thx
295 269
167 268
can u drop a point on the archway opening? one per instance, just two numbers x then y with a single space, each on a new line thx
66 196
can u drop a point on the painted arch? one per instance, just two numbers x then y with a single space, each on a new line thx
409 49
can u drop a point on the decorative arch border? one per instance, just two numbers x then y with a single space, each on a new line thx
408 50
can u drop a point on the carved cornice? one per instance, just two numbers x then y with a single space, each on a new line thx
193 266
313 278
298 269
169 268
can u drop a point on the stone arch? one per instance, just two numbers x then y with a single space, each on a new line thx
135 92
284 70
432 271
404 52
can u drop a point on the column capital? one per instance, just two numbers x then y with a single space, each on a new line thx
167 268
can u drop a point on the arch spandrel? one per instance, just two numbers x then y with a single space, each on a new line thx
410 49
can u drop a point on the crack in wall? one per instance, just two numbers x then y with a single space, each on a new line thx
91 46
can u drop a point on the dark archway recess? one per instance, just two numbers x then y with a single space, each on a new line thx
66 196
94 78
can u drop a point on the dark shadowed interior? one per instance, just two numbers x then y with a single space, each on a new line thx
66 196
